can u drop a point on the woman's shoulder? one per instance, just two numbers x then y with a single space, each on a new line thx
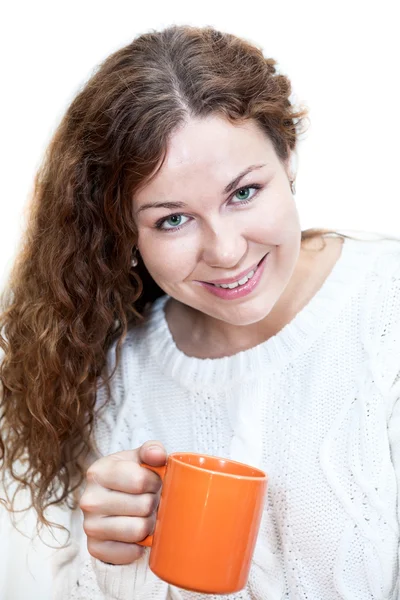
381 261
383 251
387 263
138 339
380 309
374 257
128 353
120 385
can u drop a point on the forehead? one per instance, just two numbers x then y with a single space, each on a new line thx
210 150
213 137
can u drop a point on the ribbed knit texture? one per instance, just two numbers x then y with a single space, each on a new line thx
315 406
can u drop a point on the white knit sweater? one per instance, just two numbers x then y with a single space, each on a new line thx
315 406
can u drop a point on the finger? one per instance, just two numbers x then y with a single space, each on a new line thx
98 500
123 476
153 453
119 529
115 553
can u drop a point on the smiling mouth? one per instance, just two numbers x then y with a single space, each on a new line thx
235 284
242 281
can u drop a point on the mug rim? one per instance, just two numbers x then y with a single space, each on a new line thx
261 477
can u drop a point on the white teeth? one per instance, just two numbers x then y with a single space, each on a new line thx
235 284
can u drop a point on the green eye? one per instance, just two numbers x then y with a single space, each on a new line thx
173 222
243 194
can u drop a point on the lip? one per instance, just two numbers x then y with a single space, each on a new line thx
236 278
240 290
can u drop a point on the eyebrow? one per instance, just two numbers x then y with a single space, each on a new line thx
232 185
229 188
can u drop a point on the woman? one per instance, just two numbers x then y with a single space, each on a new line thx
166 292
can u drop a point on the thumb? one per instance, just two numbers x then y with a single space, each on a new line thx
153 453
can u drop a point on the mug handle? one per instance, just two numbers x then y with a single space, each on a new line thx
148 541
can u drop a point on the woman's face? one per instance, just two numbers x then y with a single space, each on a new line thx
218 229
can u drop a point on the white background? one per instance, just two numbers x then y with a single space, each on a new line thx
342 57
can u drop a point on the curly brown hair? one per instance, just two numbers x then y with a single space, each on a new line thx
72 290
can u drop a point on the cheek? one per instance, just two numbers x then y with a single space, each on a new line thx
168 257
277 222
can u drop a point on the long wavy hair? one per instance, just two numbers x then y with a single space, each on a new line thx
72 290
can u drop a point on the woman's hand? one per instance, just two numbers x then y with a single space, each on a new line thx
120 501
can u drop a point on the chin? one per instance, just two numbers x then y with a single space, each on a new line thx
241 316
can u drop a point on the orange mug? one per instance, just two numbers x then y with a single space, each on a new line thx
207 522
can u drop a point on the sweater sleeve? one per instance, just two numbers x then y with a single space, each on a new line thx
76 574
386 342
79 576
394 438
393 373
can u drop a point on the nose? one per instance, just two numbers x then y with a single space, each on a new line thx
224 247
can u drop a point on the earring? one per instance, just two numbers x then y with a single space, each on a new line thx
293 187
134 261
